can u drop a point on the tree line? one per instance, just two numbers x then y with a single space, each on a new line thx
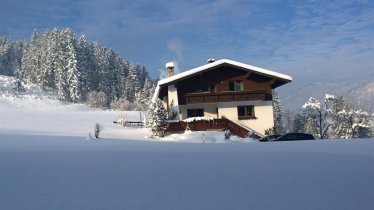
77 70
333 118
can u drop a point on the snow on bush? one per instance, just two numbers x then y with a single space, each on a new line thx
121 121
192 119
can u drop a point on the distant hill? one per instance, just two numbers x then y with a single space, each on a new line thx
359 94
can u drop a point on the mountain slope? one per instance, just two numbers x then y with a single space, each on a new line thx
33 97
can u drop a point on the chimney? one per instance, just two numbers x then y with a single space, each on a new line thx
170 68
210 60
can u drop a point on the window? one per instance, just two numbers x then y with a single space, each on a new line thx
246 112
195 113
236 85
208 86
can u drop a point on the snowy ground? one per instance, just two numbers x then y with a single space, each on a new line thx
46 162
39 113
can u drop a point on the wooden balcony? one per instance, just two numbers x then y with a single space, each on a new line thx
193 98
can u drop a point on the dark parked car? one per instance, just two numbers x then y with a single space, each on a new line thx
294 137
269 138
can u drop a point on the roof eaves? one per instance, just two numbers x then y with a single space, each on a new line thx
220 62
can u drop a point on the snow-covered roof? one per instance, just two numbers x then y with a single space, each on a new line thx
220 62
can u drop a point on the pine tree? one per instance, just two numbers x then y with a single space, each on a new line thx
288 121
19 83
61 66
83 55
73 76
157 118
277 114
299 124
10 56
339 125
51 59
132 84
144 97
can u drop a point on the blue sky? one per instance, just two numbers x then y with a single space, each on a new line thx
310 40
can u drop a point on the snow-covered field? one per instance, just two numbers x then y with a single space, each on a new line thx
47 162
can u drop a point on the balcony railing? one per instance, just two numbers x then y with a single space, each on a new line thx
193 98
204 125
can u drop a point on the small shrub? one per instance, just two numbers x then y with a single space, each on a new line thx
227 134
250 133
98 128
269 131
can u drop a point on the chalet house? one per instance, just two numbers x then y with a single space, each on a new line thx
222 89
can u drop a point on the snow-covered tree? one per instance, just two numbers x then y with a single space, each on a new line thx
336 119
299 124
316 118
288 121
352 124
97 99
339 127
132 85
310 117
277 114
73 76
10 56
361 127
143 97
57 60
84 66
19 83
122 104
156 119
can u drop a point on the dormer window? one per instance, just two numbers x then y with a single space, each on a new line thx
236 85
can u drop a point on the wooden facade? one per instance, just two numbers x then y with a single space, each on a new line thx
194 88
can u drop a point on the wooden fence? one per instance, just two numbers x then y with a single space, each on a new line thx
216 124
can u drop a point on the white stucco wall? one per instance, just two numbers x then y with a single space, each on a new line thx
173 99
263 112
